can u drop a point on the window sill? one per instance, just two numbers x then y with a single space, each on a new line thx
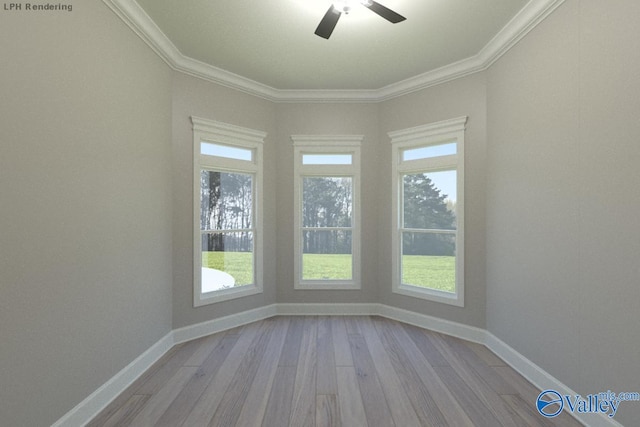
326 285
201 299
455 299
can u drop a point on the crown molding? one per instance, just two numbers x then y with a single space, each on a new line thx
534 12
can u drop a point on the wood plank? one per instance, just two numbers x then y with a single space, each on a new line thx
489 357
351 324
340 342
481 415
524 388
291 349
422 340
207 344
278 409
501 410
448 405
238 330
160 401
184 402
527 411
255 404
423 403
133 389
127 412
529 393
326 365
160 377
327 413
349 398
303 409
399 404
375 404
284 371
486 372
230 406
205 407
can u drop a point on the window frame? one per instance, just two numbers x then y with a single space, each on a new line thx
432 134
211 131
327 144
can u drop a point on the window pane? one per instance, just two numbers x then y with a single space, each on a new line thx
219 150
429 200
225 200
429 151
326 255
327 201
429 261
327 159
227 260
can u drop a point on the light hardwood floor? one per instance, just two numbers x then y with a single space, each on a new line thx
328 371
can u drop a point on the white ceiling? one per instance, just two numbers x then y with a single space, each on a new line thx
269 47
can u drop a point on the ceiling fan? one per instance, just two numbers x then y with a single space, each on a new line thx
330 19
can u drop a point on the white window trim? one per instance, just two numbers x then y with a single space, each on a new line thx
327 144
205 130
431 134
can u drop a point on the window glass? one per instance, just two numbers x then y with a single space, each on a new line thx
219 150
226 221
326 218
327 159
428 215
429 151
425 203
327 201
429 261
227 211
327 255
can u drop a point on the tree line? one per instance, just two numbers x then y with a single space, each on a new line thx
425 207
327 202
226 204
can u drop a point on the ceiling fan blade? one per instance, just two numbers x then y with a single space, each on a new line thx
328 23
383 11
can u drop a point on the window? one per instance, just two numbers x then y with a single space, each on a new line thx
327 212
227 185
428 214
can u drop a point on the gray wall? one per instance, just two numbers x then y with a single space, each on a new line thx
327 119
85 207
562 198
192 96
461 97
96 210
195 97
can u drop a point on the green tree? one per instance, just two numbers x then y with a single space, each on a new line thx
326 202
226 204
425 207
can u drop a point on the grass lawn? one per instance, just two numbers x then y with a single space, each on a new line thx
326 267
238 264
435 272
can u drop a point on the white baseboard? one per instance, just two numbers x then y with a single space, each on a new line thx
448 327
86 410
459 330
98 400
344 309
542 379
220 324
